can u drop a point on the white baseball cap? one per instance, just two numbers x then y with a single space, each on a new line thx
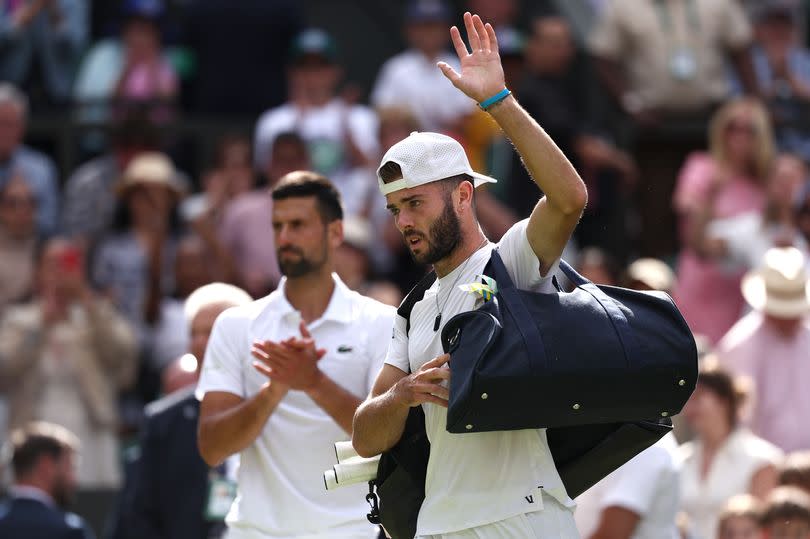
425 158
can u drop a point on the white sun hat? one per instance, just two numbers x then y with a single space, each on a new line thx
781 287
425 158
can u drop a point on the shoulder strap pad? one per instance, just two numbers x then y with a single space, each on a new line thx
415 295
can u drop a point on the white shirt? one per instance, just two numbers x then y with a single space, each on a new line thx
411 80
281 492
324 130
477 478
647 485
731 471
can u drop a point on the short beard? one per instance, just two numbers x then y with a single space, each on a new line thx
444 236
304 266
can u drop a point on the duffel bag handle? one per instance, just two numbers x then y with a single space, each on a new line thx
616 315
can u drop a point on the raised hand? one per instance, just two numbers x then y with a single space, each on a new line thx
481 71
292 363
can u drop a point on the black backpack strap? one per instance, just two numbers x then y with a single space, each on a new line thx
414 296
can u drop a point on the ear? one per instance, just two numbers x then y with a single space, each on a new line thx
465 193
334 233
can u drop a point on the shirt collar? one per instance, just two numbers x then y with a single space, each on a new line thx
31 493
339 308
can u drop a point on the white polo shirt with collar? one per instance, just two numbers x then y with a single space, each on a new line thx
281 491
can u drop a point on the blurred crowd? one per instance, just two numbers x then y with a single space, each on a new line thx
689 121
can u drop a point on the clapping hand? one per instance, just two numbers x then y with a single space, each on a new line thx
292 362
481 74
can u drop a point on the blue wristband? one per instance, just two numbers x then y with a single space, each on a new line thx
497 98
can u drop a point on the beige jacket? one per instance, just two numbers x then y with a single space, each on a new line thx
103 348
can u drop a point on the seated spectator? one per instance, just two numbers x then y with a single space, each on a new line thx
146 75
787 514
411 79
45 457
240 53
89 195
598 266
46 35
64 357
795 470
339 134
741 242
246 230
18 238
770 344
135 263
637 501
782 67
740 156
171 483
16 158
740 518
558 92
724 459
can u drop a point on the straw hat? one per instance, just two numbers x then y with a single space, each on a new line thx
150 168
781 287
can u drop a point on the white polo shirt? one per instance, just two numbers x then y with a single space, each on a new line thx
478 478
647 485
281 492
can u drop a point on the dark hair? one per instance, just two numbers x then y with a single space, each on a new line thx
289 137
795 470
305 183
786 503
721 382
38 439
391 172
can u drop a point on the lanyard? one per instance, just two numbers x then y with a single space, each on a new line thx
665 15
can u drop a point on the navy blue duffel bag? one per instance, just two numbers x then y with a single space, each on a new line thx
598 354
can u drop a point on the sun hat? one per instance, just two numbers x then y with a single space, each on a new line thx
652 272
150 168
427 157
781 287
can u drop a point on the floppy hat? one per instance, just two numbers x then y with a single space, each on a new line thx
781 287
425 158
150 168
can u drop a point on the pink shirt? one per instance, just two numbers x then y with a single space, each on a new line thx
708 296
780 370
247 232
148 82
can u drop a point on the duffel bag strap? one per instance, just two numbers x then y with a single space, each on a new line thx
512 303
616 315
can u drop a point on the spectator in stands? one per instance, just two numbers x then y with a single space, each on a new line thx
146 76
664 64
739 159
558 92
637 501
241 53
37 169
650 274
740 242
44 462
410 79
18 238
248 217
598 266
89 194
135 263
782 67
45 34
740 518
724 459
339 134
795 470
63 358
770 346
787 514
172 484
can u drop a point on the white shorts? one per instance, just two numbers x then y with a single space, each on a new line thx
554 521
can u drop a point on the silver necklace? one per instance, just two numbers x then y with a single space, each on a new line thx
438 321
